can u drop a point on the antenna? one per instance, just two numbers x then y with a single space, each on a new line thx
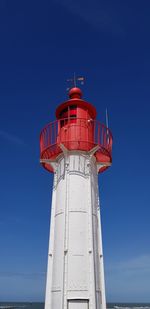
107 124
74 79
106 118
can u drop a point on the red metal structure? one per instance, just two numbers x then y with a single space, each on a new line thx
77 129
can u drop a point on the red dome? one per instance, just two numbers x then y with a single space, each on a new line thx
75 93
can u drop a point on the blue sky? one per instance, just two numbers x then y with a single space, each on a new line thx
41 44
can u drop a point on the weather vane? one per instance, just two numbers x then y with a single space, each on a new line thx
74 80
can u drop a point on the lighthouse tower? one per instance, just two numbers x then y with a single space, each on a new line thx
76 148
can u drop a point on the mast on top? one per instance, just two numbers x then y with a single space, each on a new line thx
74 80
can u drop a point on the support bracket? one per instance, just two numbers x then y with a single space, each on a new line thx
102 164
93 150
53 163
64 149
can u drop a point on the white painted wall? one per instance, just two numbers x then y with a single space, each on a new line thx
75 261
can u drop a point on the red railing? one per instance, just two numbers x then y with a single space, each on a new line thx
75 134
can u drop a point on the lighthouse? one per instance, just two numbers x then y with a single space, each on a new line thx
76 148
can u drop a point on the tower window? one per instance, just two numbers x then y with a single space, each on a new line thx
65 112
73 116
73 107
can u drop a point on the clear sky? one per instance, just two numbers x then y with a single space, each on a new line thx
41 44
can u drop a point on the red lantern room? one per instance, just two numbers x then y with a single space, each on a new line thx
77 129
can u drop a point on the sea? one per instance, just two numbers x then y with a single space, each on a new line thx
10 305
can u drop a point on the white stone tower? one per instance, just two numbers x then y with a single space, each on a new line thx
75 147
